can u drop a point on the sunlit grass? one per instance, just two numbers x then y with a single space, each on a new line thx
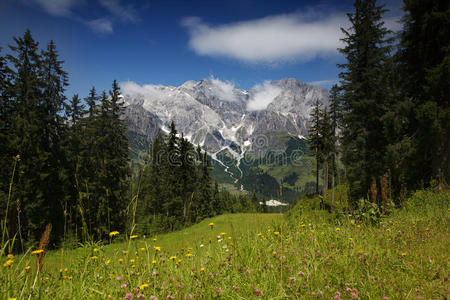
247 256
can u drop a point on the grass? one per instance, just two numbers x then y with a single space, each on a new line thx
308 254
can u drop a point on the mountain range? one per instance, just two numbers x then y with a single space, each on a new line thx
232 124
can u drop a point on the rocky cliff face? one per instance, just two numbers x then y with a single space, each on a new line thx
216 115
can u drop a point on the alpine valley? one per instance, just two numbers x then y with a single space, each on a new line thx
255 138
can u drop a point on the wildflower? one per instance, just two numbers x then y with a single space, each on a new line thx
12 298
258 292
133 237
301 273
157 248
124 285
338 229
154 239
120 259
169 297
153 297
95 249
276 233
94 257
201 245
140 296
143 286
292 278
113 233
312 230
172 257
128 296
108 262
236 288
119 278
131 260
274 253
223 233
8 263
358 226
154 262
27 268
202 269
403 253
211 224
10 256
37 251
219 290
259 234
142 249
189 254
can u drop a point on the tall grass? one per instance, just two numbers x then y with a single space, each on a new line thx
308 254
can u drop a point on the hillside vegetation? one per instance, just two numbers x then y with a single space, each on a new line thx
307 254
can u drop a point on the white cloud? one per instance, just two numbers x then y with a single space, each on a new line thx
262 95
149 91
101 25
57 7
125 13
270 39
223 89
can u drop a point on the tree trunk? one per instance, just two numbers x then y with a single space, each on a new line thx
332 182
317 174
325 179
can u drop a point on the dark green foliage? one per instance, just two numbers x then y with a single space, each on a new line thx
363 97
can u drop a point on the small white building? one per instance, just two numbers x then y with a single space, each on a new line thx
274 203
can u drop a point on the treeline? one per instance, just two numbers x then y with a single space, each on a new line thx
70 166
175 188
389 116
66 162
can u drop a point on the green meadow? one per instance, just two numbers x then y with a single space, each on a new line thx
305 254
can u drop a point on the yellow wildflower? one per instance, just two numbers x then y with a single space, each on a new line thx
113 233
8 263
211 224
274 253
142 249
131 260
338 229
157 248
27 268
259 234
10 256
154 262
133 236
120 259
37 251
172 257
12 298
143 286
108 262
403 253
223 233
202 269
276 233
189 254
94 257
154 239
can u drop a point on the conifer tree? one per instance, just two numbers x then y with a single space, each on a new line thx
363 143
314 139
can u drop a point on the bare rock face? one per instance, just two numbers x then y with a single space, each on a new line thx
215 114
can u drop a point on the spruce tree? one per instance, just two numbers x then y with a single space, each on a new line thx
363 95
314 139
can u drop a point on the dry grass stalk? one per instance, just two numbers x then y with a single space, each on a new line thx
384 191
43 243
374 191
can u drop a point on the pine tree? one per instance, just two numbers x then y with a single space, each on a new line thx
314 139
421 149
363 143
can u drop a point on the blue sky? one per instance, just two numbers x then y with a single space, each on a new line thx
245 42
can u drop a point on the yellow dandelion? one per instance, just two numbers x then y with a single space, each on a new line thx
338 229
10 256
37 251
259 234
403 253
8 263
12 298
131 260
189 254
223 233
94 257
322 233
120 259
274 253
180 260
157 248
113 233
154 239
312 230
202 269
142 249
211 224
302 225
350 239
133 236
358 226
388 229
154 262
143 286
95 249
276 233
108 262
172 257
